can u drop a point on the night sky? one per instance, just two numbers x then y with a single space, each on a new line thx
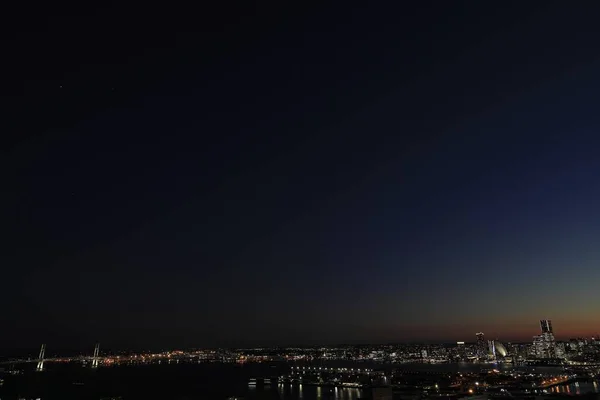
299 174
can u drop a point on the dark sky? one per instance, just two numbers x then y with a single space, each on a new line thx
295 173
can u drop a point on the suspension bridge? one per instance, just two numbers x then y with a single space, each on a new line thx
94 359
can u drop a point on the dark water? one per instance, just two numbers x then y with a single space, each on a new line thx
577 388
199 381
159 382
305 392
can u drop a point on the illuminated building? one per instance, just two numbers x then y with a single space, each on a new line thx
500 349
560 350
546 326
544 345
540 347
492 350
481 345
574 345
496 349
518 350
461 351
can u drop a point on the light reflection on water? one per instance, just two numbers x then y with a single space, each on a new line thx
577 388
309 392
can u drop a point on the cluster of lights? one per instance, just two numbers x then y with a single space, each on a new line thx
332 369
553 381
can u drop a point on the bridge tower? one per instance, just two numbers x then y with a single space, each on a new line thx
95 357
40 364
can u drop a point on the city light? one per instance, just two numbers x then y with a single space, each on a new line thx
320 366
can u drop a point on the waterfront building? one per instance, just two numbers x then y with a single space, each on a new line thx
481 345
544 345
560 350
461 351
500 349
574 345
546 326
492 350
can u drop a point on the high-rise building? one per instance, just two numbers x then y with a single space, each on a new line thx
517 350
560 350
573 345
544 345
546 326
500 349
492 350
481 345
461 352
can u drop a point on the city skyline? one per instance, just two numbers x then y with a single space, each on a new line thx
299 173
483 368
543 348
479 338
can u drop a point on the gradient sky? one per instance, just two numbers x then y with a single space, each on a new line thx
283 175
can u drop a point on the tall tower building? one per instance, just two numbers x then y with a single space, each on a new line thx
481 345
460 350
492 349
545 345
546 326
